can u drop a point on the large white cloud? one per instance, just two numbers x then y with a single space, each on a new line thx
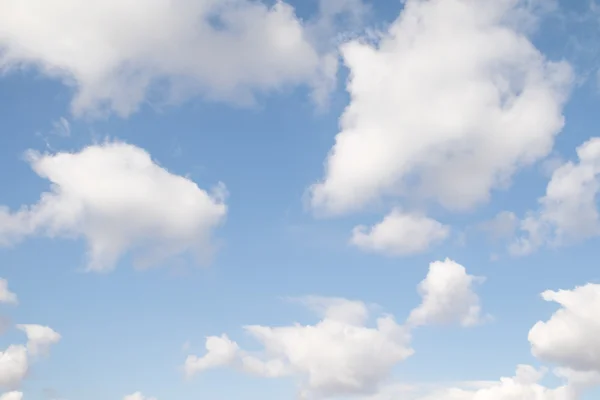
116 53
343 354
339 355
447 106
400 233
448 296
568 211
571 337
117 198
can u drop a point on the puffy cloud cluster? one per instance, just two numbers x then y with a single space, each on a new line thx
118 54
568 212
571 337
343 354
15 359
117 198
446 106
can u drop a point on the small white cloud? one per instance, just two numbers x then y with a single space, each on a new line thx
39 338
138 396
448 296
6 296
117 198
400 234
568 211
220 352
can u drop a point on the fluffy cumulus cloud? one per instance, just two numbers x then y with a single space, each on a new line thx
220 352
568 211
571 337
118 53
39 338
343 354
400 234
117 198
339 355
14 365
448 296
450 102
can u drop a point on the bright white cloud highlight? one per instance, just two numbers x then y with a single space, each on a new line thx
220 352
138 396
400 234
12 396
340 355
116 53
117 198
14 366
6 296
571 337
568 212
39 338
448 296
447 106
525 385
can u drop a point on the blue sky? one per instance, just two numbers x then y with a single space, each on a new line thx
307 172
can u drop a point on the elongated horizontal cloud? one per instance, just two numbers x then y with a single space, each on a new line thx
568 212
12 396
339 355
400 234
116 54
343 354
445 107
117 198
138 396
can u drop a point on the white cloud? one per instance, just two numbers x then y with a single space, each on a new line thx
524 385
138 396
39 338
116 53
571 337
448 296
14 366
568 212
400 234
447 106
220 352
117 198
6 296
340 355
12 396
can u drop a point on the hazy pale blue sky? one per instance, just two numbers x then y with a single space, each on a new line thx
177 171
